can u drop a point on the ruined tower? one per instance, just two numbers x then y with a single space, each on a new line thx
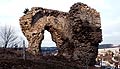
77 33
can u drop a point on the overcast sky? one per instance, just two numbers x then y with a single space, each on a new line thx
12 10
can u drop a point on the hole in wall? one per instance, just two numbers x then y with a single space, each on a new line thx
48 47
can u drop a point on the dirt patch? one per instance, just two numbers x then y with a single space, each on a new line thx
12 59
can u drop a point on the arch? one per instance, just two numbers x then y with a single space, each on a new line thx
47 41
48 47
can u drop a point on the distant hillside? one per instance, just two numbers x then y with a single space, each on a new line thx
102 46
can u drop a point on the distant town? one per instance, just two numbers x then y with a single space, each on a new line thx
109 56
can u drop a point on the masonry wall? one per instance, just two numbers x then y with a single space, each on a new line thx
77 33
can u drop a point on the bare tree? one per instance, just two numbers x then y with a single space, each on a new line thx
8 36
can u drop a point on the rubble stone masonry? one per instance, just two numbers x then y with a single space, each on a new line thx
77 33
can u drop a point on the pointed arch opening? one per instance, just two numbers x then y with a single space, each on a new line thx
48 47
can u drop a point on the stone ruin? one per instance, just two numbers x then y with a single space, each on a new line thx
77 33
